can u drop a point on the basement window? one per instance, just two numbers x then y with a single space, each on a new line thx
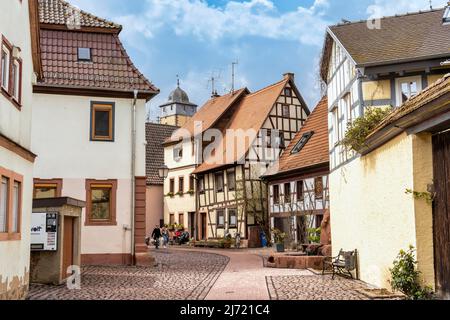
84 54
303 141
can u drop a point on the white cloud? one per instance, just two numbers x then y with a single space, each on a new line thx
235 20
382 8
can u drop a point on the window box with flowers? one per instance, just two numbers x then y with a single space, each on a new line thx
170 194
191 192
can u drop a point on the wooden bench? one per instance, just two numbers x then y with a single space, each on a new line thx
343 264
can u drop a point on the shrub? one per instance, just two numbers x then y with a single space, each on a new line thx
278 236
405 277
314 235
359 130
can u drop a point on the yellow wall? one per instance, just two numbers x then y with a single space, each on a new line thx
372 213
377 90
434 77
176 120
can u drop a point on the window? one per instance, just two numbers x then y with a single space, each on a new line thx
181 218
231 180
288 92
276 194
101 202
84 54
348 106
4 197
318 187
407 88
219 182
172 185
300 191
47 188
10 205
191 183
181 185
220 219
16 79
172 219
232 218
287 193
302 142
286 111
178 152
102 121
5 65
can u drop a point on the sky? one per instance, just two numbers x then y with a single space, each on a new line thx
199 39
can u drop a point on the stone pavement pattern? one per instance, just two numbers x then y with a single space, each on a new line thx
314 287
179 276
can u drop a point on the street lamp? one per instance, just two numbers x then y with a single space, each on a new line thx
163 172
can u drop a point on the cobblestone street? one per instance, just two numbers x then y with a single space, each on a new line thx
179 276
203 275
314 287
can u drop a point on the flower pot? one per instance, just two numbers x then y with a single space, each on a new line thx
280 247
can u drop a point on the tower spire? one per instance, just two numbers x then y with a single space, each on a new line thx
178 81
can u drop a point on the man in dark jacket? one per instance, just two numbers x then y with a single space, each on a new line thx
156 234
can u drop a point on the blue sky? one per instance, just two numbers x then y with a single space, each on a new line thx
200 38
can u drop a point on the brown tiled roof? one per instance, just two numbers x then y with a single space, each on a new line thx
155 135
434 91
316 150
409 37
251 112
209 113
60 12
111 68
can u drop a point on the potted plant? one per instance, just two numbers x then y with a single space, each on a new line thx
314 235
279 238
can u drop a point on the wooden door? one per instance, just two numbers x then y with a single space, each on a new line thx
191 223
441 212
67 245
203 226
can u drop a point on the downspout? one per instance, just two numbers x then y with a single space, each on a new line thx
133 176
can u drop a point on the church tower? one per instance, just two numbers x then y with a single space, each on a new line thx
178 109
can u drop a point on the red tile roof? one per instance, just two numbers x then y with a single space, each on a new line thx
316 150
111 69
155 135
60 12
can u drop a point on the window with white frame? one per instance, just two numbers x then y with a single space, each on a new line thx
15 80
5 63
407 88
347 100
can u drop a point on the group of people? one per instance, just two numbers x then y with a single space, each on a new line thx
159 234
162 235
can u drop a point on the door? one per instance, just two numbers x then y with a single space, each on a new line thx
67 245
191 224
441 212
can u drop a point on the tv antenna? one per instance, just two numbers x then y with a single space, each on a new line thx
431 4
233 74
213 82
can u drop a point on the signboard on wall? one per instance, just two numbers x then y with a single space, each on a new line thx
44 231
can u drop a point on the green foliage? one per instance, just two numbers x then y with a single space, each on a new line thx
359 130
405 277
170 194
278 236
314 235
427 196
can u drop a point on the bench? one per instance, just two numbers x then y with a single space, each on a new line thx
343 264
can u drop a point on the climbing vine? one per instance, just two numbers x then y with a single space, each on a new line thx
427 196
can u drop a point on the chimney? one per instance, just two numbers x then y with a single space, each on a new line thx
289 75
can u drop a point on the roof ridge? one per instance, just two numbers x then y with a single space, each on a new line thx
66 4
267 88
389 17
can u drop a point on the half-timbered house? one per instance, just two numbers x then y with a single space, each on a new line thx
298 182
388 66
232 198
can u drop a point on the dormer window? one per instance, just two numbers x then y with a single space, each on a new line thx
302 142
84 54
178 152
